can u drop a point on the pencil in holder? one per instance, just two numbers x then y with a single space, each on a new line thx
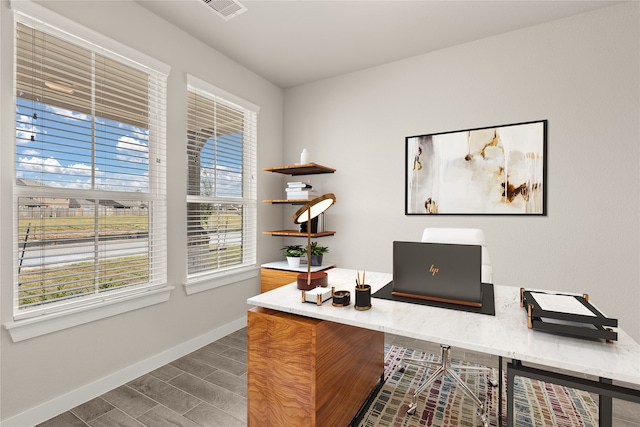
363 297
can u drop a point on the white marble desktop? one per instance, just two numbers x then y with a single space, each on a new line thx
505 334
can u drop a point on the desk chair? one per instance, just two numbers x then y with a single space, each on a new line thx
460 236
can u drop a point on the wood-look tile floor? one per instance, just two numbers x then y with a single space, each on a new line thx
205 388
208 388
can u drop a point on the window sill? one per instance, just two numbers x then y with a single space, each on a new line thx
206 283
24 329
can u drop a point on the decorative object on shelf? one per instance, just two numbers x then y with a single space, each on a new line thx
293 253
304 157
316 225
341 298
315 253
497 170
568 314
363 293
300 190
298 185
305 214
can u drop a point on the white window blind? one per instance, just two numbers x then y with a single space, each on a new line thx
90 188
221 182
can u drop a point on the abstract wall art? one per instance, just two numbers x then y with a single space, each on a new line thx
497 170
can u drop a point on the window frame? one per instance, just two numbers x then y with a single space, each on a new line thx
57 316
199 282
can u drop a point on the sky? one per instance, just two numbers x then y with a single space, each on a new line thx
61 152
54 148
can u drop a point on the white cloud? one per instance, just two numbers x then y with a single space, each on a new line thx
138 131
25 129
52 166
78 169
68 114
37 164
127 143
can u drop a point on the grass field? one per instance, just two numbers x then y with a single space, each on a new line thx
48 228
40 284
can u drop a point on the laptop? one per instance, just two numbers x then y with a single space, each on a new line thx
448 273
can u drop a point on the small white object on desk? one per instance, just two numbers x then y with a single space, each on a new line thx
317 295
561 304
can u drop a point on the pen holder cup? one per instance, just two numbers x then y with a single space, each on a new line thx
341 298
363 297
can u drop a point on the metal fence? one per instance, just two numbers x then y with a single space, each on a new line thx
26 212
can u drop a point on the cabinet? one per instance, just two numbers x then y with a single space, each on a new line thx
308 372
297 170
278 273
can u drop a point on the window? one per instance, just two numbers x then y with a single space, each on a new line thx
221 182
89 193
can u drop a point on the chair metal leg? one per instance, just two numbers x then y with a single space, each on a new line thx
465 389
444 368
414 400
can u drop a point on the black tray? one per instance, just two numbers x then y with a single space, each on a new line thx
578 325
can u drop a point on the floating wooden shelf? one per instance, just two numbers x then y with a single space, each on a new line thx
295 233
305 169
288 201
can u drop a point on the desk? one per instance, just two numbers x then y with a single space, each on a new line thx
504 335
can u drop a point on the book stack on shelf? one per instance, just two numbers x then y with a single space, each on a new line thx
300 190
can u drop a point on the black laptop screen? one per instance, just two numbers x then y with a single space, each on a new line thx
443 272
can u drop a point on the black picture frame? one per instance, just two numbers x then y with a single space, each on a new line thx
466 172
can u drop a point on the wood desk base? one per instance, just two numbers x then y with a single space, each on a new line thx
308 372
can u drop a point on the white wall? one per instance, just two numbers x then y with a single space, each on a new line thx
580 73
56 366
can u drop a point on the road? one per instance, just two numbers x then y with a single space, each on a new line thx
35 255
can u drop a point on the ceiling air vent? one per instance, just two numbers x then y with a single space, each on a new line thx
227 9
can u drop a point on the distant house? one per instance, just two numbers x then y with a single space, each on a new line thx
81 204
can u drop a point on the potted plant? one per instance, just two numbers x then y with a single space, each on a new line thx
293 254
315 257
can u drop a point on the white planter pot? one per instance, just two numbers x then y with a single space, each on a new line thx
294 262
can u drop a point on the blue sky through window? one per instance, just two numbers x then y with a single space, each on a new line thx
221 166
61 148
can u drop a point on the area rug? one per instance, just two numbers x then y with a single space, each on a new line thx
537 404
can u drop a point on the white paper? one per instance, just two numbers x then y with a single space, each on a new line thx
561 304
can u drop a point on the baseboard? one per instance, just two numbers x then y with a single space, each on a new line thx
60 404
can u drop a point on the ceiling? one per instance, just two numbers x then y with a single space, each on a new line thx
299 41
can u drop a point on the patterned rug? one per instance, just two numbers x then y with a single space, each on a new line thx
537 404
